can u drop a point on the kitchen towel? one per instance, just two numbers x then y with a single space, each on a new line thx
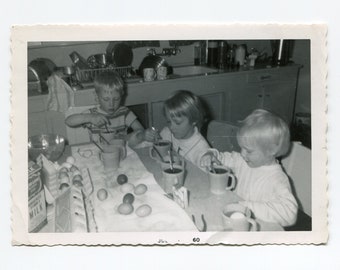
60 94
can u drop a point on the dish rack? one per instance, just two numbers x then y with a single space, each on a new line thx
88 75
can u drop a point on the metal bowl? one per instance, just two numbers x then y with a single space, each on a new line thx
50 145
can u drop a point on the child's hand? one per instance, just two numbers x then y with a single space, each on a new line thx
99 119
151 135
212 155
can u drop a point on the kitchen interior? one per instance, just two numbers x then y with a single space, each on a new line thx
232 77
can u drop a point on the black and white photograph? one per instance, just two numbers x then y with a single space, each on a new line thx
189 140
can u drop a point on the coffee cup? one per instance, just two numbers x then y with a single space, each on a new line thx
172 177
149 74
221 179
163 147
111 157
237 217
162 73
121 143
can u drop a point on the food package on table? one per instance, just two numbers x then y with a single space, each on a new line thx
36 199
57 178
70 213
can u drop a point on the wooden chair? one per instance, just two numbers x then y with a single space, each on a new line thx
79 134
222 136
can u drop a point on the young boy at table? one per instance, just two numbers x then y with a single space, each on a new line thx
261 182
110 115
184 114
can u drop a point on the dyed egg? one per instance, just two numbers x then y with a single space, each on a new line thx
67 165
70 160
128 198
74 168
237 215
127 187
140 189
77 177
122 179
143 210
125 208
102 194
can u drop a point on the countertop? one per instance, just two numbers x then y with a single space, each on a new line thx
135 79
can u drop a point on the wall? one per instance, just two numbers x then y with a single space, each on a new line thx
301 55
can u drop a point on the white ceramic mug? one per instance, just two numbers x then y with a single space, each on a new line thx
172 177
149 74
111 158
221 180
237 217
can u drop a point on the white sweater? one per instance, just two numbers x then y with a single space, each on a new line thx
265 190
191 149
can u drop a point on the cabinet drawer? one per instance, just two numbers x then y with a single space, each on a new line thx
263 77
277 74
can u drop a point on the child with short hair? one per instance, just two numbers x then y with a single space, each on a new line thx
261 182
185 115
109 115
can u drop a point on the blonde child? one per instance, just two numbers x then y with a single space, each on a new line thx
109 115
261 182
184 114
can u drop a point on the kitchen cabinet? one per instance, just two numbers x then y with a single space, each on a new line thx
272 89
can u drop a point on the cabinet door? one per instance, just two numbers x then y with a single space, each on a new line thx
279 98
244 100
37 123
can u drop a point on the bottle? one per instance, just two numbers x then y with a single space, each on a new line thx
222 55
197 54
240 55
212 53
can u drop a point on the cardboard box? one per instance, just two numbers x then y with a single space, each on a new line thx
37 214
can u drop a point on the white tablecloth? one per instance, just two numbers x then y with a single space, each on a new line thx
166 214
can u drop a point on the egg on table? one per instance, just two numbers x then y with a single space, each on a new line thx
67 165
74 168
122 179
127 187
140 189
143 210
125 208
128 198
102 194
70 160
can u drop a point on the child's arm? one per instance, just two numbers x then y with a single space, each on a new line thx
213 155
96 119
281 208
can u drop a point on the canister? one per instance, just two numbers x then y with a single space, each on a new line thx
240 55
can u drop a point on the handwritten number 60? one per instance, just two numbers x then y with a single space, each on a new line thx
196 239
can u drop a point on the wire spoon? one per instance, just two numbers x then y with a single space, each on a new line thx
96 144
171 164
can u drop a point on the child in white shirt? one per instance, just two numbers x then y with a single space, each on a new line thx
261 182
184 114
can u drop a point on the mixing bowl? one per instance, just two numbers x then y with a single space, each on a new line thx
50 145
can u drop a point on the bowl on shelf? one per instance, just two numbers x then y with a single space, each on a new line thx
50 145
